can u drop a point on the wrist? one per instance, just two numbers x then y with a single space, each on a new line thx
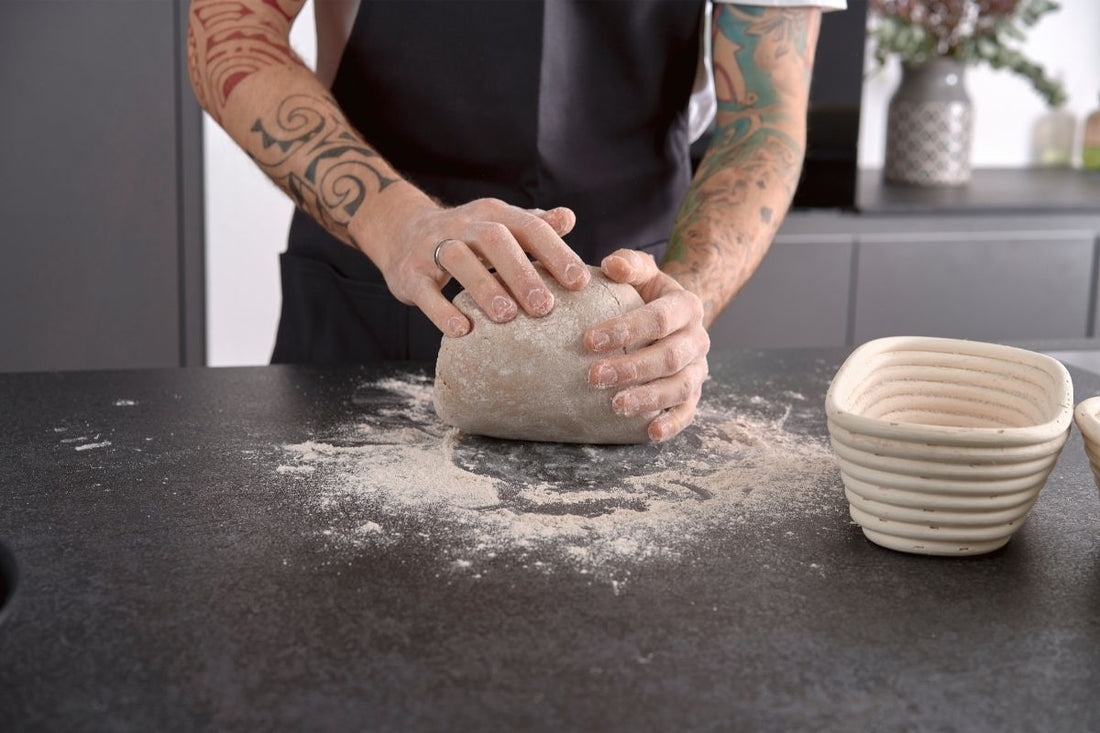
379 230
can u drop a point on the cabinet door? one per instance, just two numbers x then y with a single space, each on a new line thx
798 297
989 286
100 154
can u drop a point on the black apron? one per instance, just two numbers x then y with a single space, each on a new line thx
539 103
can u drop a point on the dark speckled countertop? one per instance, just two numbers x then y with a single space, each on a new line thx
173 579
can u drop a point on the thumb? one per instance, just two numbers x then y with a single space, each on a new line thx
630 266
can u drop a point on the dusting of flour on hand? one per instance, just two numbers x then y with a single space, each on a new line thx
593 509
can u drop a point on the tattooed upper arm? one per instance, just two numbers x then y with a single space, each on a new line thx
229 40
763 58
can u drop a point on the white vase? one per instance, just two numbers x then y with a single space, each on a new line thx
929 126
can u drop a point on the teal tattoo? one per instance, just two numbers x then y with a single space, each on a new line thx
762 59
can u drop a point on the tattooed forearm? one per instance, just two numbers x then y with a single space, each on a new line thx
229 40
744 185
247 77
309 150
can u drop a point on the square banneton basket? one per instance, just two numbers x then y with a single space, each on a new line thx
944 444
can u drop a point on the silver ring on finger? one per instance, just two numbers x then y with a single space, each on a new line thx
438 249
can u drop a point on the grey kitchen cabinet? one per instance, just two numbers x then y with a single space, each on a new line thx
842 278
798 297
991 285
102 195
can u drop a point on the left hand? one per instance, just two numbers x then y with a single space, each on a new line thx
668 371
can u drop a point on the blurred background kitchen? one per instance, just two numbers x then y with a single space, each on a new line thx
958 202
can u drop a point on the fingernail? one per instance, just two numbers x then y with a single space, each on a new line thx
540 301
600 340
504 308
576 274
566 219
611 259
658 430
606 376
625 403
457 327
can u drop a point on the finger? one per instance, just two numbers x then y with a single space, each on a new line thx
465 266
640 270
661 359
663 393
561 219
544 243
440 311
630 266
669 424
647 324
496 245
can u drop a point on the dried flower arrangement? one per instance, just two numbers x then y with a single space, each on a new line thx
971 31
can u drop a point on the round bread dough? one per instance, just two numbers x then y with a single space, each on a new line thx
528 379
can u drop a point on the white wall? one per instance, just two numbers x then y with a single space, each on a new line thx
1005 107
247 217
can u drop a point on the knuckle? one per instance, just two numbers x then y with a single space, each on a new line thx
704 342
406 280
620 332
685 353
533 226
662 318
413 290
696 306
692 302
685 391
673 360
628 371
641 260
495 235
494 230
491 204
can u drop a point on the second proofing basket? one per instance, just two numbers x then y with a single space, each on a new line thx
1087 417
944 444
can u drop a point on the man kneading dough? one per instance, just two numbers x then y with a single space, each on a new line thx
413 165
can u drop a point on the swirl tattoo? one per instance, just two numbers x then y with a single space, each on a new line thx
308 149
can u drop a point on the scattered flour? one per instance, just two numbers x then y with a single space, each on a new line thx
401 472
90 446
296 469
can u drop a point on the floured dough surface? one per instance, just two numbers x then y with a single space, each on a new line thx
528 379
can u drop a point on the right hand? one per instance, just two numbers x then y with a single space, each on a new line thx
486 233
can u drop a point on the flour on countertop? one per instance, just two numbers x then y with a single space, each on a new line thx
595 509
90 446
